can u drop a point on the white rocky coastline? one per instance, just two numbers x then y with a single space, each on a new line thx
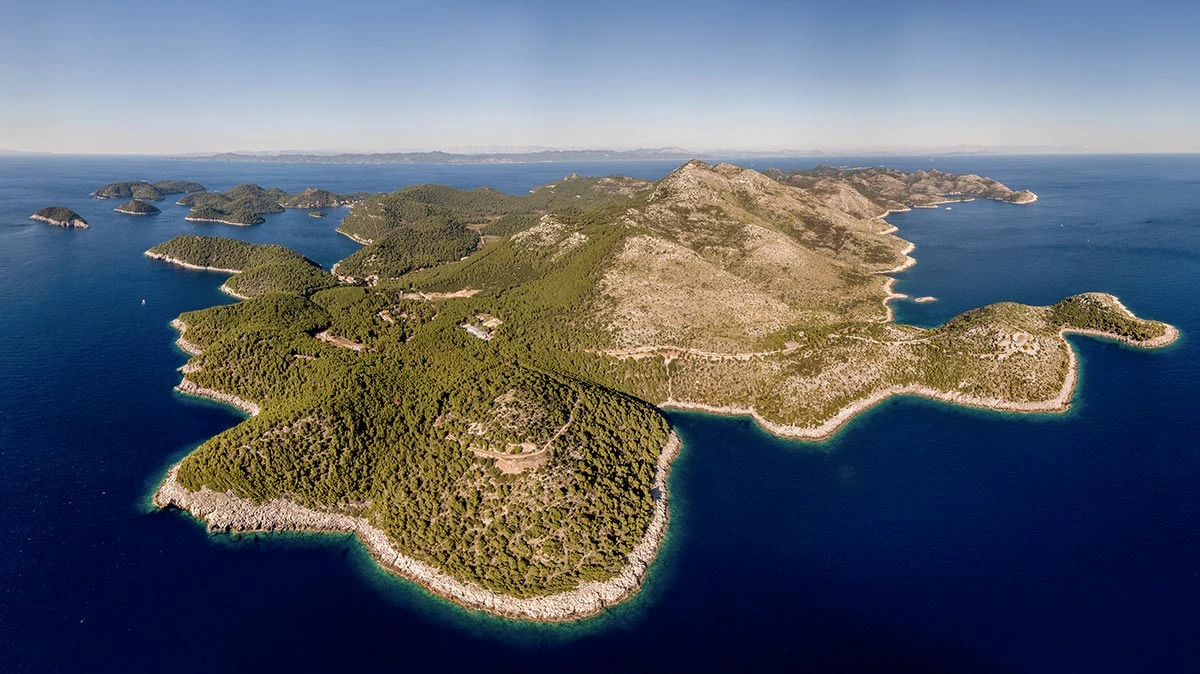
190 348
189 387
224 286
226 512
356 239
231 292
188 265
74 223
224 222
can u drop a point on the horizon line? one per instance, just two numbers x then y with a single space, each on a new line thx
676 152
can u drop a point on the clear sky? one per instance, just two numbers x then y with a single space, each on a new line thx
142 76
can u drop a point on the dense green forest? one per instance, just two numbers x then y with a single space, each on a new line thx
146 191
60 215
393 432
137 189
178 186
263 268
240 205
421 243
389 433
246 204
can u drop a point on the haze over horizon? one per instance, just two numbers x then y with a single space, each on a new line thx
173 78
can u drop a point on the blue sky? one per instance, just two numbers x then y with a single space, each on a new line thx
168 77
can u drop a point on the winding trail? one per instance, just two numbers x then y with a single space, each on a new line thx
671 352
546 447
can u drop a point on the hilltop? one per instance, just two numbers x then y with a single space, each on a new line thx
475 392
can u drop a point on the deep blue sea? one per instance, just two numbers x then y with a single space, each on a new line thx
922 538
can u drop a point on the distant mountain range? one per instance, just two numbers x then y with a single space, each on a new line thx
670 153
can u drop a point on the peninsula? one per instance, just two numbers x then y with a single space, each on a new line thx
475 393
60 216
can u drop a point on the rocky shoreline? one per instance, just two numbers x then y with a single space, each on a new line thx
229 513
189 387
74 223
188 265
356 239
176 261
231 292
190 348
223 222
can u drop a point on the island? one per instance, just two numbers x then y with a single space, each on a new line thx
137 207
246 204
145 190
477 392
313 197
60 216
317 214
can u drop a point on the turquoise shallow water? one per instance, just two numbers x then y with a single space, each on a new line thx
921 538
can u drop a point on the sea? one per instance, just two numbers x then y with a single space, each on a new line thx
921 538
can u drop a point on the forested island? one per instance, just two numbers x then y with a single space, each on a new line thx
137 207
60 216
146 191
476 392
313 198
246 204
